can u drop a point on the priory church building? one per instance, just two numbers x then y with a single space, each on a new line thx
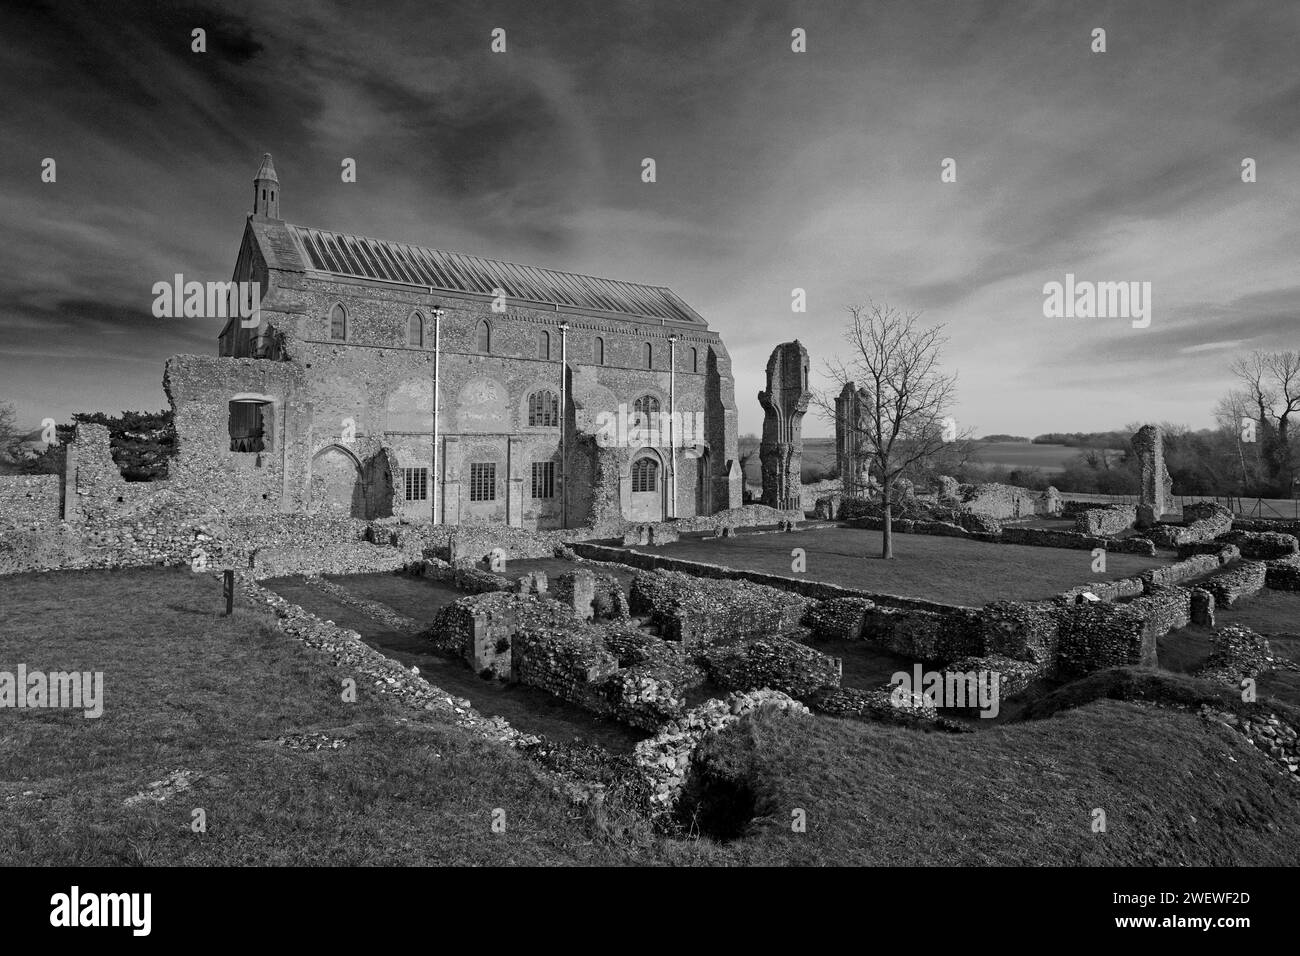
386 379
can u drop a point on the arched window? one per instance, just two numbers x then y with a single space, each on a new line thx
415 330
598 351
645 475
695 360
543 344
483 338
646 405
543 409
649 355
338 323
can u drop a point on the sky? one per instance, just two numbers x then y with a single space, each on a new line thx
775 170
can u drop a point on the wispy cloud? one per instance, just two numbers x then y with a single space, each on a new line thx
776 170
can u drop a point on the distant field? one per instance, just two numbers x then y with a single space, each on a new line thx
820 452
1014 454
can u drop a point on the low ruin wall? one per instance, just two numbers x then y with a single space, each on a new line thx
1278 525
699 611
774 663
1205 521
1111 520
1283 574
1262 545
1238 581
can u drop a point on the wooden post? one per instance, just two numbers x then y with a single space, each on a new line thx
228 590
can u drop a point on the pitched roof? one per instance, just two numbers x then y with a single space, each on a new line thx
362 257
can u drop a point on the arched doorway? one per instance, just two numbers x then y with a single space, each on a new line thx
336 483
646 480
703 485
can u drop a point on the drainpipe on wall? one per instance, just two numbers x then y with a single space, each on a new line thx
672 438
437 359
564 414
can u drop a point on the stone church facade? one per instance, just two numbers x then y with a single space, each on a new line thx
327 402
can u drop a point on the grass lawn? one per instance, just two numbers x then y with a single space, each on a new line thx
948 570
186 689
1007 795
1275 614
527 708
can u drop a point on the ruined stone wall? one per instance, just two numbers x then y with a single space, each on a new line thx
1205 521
1022 630
1280 526
30 500
1262 545
774 663
1190 567
1006 501
1096 636
1110 520
1283 574
923 635
809 494
612 670
1238 581
699 612
269 546
665 759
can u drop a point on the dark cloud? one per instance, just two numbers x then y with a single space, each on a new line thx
776 170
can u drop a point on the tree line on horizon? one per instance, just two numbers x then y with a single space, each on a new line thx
141 443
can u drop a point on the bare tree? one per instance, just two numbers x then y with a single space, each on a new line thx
1271 385
908 395
1230 414
10 436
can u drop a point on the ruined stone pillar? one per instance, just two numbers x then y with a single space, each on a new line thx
1154 489
784 403
850 455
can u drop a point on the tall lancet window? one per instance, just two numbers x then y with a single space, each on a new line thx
338 323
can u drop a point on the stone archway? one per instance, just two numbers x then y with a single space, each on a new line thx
336 484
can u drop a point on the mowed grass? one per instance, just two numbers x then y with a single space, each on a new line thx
948 570
1274 614
1173 792
188 689
528 709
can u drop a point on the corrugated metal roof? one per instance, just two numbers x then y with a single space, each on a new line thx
361 257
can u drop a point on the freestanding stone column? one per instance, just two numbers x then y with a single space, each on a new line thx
1155 489
850 457
784 403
